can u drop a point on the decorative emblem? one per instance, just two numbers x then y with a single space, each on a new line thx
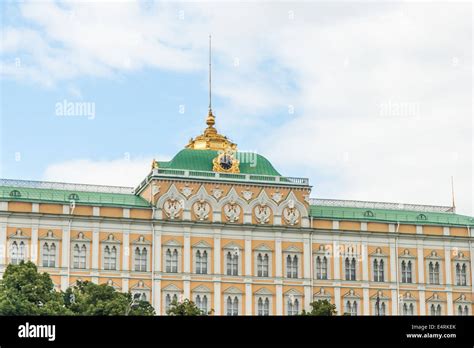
291 214
232 211
172 207
217 193
226 162
187 191
247 195
277 196
262 213
202 209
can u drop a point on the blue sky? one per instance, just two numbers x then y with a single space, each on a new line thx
370 101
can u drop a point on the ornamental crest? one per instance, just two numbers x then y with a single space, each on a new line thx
247 195
232 211
262 213
172 208
202 210
217 193
291 214
187 191
277 196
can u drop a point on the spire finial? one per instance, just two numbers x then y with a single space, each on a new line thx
210 85
210 121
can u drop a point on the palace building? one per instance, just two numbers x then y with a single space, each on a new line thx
225 229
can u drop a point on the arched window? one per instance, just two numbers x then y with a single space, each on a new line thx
382 308
411 310
168 260
378 271
201 303
14 253
458 274
49 255
262 265
141 259
232 306
293 306
76 252
433 270
232 264
292 266
201 264
466 310
260 306
350 266
464 275
21 251
405 309
432 310
460 311
438 310
174 262
354 308
321 267
167 302
82 257
171 260
110 258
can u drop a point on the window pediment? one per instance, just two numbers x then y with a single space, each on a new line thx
233 290
141 240
263 247
202 245
263 291
111 239
351 295
80 237
292 249
171 288
202 289
18 234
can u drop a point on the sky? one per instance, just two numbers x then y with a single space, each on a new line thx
369 100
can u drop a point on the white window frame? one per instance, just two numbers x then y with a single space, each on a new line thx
233 293
49 238
263 250
111 242
462 260
80 241
233 249
172 245
297 296
321 253
407 257
352 298
18 238
293 252
141 243
201 247
263 294
434 258
171 290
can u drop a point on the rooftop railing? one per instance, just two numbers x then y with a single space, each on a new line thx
66 186
235 177
381 205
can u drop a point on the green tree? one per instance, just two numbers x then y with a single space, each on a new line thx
24 291
321 307
86 298
185 308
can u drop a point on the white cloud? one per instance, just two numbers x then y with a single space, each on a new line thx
336 63
118 172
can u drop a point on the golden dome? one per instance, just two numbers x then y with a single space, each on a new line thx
210 139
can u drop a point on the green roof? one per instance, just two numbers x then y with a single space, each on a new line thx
390 215
188 159
64 197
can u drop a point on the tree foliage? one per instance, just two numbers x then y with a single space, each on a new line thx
185 308
25 291
322 308
87 298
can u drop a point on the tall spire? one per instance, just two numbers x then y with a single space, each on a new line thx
210 139
210 85
210 121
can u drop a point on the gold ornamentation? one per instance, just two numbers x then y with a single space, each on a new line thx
226 162
210 139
